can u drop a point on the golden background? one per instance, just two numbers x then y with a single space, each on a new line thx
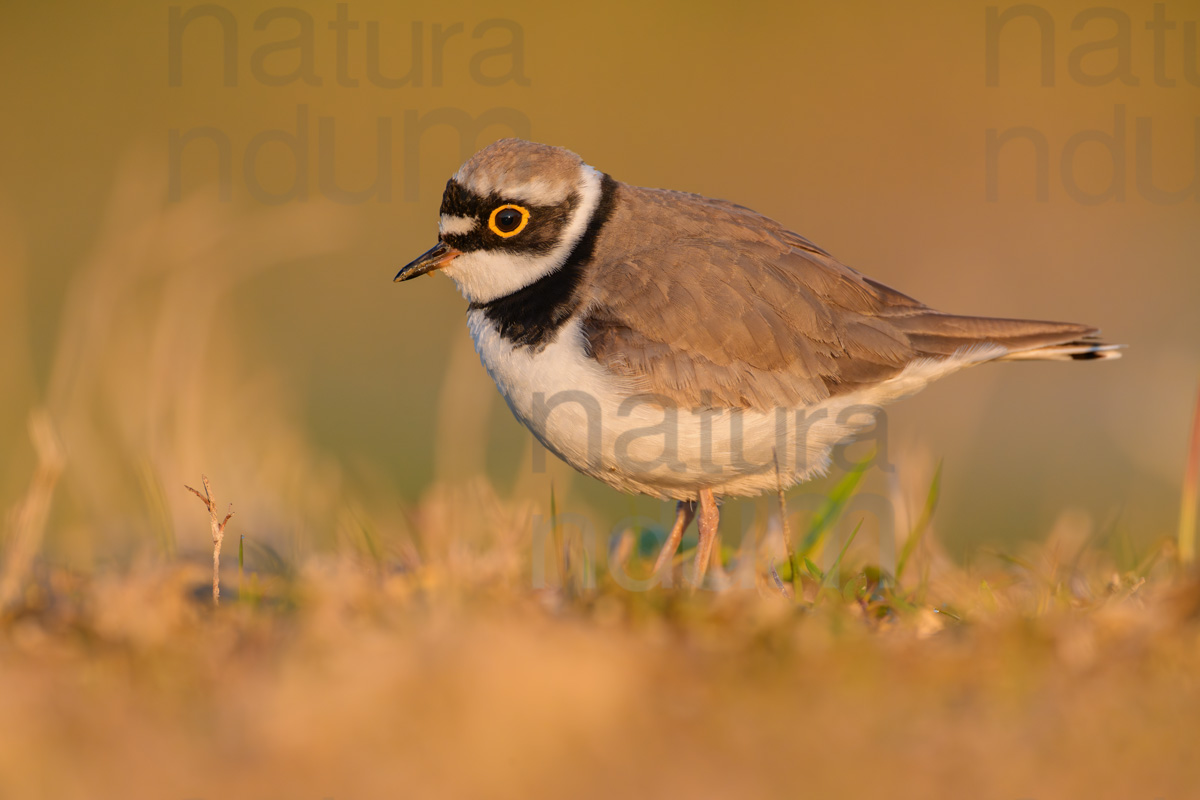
169 333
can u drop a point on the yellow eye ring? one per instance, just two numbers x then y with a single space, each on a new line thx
506 234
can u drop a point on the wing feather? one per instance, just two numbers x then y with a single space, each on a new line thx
711 304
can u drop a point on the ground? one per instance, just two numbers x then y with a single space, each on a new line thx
440 671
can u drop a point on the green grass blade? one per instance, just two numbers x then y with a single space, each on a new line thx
814 570
831 575
831 510
918 531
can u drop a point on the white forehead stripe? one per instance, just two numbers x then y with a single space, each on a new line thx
536 192
451 225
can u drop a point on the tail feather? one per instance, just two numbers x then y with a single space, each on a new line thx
1081 350
938 334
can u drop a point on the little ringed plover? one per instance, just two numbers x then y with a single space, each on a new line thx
684 347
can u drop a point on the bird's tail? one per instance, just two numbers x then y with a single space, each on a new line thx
941 335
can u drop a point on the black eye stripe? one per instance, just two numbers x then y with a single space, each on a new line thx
541 235
459 202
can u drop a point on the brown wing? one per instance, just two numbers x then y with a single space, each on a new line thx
709 303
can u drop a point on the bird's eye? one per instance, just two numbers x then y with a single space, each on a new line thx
508 220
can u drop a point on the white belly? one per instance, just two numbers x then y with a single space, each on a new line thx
636 443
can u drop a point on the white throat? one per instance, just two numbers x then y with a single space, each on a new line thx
486 275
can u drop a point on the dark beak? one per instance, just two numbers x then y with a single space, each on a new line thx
436 257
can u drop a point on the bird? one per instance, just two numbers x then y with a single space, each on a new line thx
684 347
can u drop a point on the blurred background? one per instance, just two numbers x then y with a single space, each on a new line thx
202 208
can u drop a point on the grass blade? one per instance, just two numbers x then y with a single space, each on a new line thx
1191 487
560 561
832 509
814 570
241 564
837 565
918 531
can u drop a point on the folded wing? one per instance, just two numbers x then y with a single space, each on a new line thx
710 304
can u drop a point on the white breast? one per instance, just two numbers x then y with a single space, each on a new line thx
639 443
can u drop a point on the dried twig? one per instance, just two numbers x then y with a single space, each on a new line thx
793 562
218 532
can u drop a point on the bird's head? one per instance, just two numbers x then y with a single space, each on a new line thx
511 214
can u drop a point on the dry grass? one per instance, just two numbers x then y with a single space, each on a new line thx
432 669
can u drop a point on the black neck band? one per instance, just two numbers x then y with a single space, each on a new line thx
530 317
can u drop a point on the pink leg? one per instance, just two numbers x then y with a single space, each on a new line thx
684 511
709 517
